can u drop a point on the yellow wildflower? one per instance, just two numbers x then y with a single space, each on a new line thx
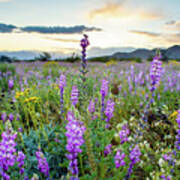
111 62
19 94
32 99
174 114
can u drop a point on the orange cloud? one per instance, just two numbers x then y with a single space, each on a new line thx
122 10
146 33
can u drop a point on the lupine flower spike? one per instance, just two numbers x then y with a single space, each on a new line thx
74 95
75 131
84 44
119 159
103 92
134 158
177 143
155 71
20 159
7 149
109 112
62 84
42 163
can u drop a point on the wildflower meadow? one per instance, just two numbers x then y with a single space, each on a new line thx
90 120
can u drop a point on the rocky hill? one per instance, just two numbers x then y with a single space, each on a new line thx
169 53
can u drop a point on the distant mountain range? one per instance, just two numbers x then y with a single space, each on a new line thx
169 53
27 55
116 53
92 52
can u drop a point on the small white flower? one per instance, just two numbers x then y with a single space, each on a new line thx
161 161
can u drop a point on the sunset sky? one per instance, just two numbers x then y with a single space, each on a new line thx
57 25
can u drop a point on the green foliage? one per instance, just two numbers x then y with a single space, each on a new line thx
4 68
6 71
72 59
37 103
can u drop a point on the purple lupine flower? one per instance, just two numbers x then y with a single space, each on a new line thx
62 81
7 152
20 129
62 84
75 131
135 155
165 177
84 43
10 83
123 134
74 95
170 159
109 111
177 142
178 119
108 149
119 159
104 87
20 159
42 163
5 176
91 107
3 117
103 92
11 117
155 72
167 157
17 117
134 158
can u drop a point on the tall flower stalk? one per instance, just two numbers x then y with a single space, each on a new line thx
74 95
7 151
42 163
75 131
155 77
155 71
84 43
20 159
124 133
177 143
91 107
134 158
62 84
103 92
119 159
109 112
10 84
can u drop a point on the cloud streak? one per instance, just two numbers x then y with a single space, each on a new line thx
59 29
4 28
172 22
173 25
160 38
